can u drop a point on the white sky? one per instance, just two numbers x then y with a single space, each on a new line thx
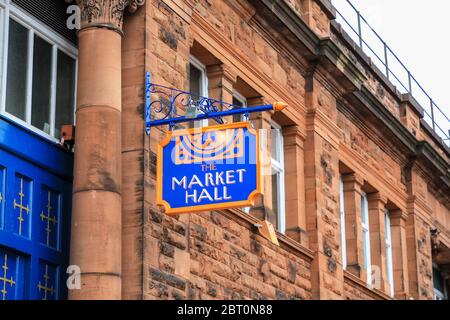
418 32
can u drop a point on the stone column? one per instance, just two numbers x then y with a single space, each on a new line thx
294 159
399 254
377 228
418 239
221 80
96 215
135 154
353 230
262 122
322 189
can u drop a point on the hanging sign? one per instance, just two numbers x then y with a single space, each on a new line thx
208 168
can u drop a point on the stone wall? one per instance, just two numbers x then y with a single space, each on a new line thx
220 255
216 256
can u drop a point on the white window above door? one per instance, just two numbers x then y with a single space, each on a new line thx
38 72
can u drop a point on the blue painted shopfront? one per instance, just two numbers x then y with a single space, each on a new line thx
35 205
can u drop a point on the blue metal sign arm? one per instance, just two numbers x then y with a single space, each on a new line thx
218 114
168 101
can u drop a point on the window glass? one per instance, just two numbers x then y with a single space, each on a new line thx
438 284
64 91
240 103
364 209
366 237
195 82
276 137
198 87
275 188
389 262
42 79
2 13
342 216
16 83
278 197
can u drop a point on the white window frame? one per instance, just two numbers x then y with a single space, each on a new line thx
2 44
203 86
342 216
277 166
366 237
58 43
388 245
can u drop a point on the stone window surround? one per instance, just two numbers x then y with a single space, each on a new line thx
8 11
399 286
388 250
365 224
342 219
228 80
193 61
222 81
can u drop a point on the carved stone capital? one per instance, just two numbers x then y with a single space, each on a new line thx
105 13
353 178
398 216
379 197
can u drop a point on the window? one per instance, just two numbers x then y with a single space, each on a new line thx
198 85
366 237
277 162
37 74
239 101
388 244
342 215
438 284
2 47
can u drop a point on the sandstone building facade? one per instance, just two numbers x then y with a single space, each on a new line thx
359 189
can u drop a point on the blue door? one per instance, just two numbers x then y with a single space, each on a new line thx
35 205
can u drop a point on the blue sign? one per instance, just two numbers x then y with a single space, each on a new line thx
208 168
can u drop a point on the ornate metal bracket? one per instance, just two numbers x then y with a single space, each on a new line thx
169 102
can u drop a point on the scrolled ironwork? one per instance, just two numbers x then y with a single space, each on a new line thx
166 103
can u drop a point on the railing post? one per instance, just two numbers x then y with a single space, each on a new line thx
386 62
408 87
359 30
409 82
432 115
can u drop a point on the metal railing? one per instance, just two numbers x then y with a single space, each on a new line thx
391 66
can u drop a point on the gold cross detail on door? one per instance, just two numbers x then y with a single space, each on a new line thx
4 278
45 287
50 219
21 207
